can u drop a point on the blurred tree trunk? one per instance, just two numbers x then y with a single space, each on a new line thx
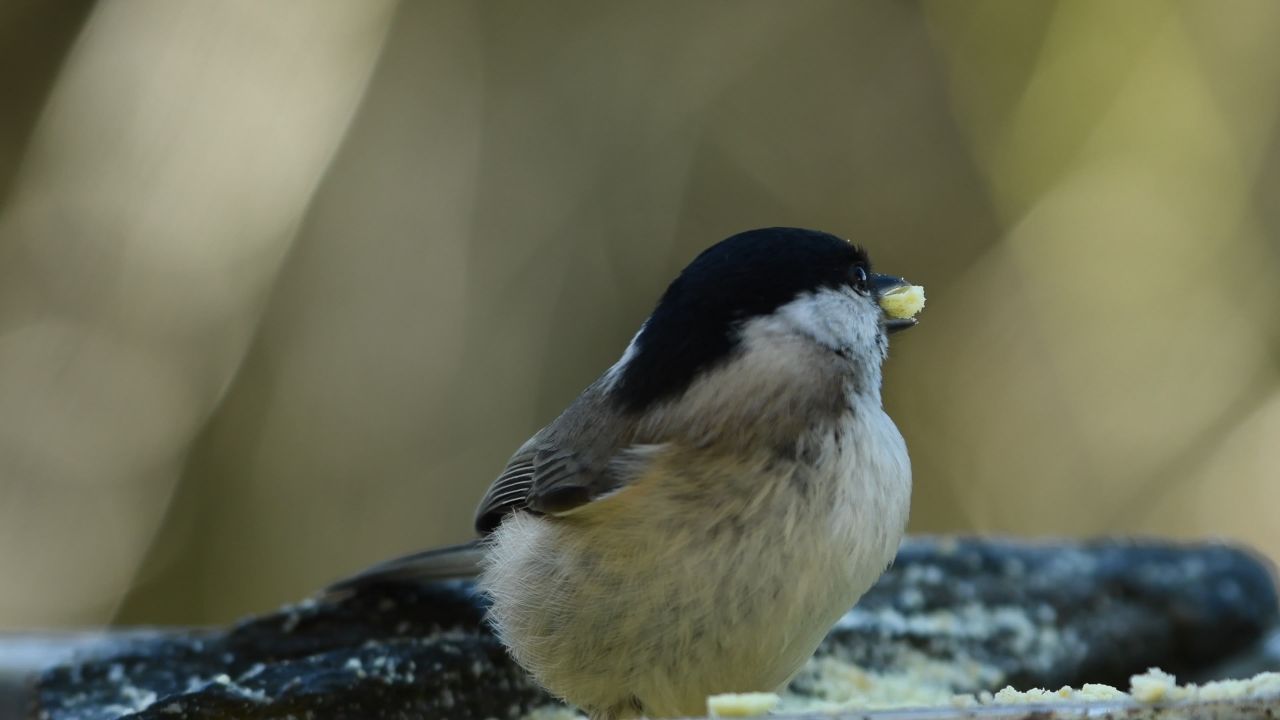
160 190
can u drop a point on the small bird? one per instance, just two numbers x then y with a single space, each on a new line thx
702 514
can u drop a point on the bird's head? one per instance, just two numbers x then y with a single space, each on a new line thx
756 290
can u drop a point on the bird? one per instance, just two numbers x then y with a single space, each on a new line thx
701 515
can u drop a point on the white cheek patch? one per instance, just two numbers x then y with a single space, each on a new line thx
842 321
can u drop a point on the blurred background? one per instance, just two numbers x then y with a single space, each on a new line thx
282 285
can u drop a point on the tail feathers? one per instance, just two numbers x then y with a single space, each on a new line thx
447 563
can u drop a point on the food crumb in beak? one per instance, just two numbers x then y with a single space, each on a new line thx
904 302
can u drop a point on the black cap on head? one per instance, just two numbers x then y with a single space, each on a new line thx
748 275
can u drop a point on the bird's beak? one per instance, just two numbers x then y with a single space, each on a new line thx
885 286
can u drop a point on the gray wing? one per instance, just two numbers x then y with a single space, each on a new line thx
571 462
507 493
545 479
566 465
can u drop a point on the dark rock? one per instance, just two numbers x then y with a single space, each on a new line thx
402 652
1030 615
1060 614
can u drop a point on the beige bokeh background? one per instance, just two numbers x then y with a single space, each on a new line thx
282 285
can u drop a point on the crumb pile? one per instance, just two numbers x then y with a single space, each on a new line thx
1153 686
844 687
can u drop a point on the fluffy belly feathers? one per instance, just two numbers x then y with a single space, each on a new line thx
661 595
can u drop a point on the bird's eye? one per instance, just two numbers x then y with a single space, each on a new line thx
860 278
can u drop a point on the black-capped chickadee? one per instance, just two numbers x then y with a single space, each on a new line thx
700 516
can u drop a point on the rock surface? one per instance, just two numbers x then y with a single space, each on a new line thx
999 612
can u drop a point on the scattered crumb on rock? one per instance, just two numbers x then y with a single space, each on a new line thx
737 705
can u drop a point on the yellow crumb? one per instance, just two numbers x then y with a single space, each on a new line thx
902 303
1099 692
1153 686
741 704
